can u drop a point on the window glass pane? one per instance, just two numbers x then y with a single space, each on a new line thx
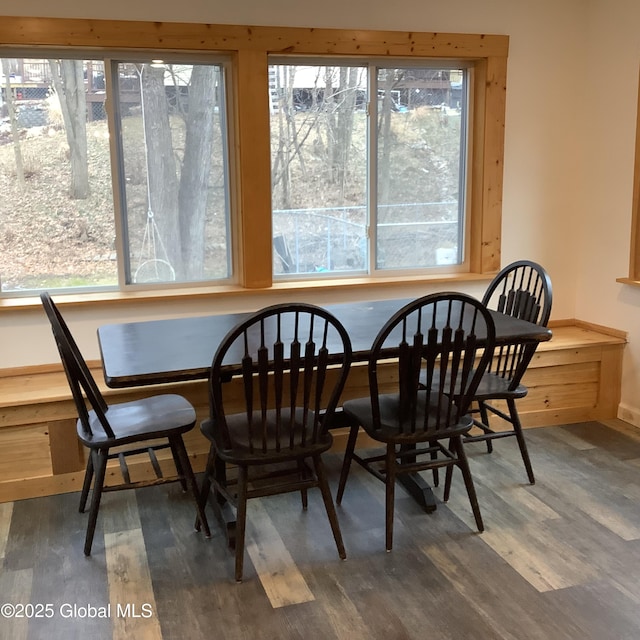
172 123
420 181
55 179
319 169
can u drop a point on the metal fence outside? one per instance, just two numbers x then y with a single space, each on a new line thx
334 239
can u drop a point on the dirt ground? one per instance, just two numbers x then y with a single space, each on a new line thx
70 242
43 230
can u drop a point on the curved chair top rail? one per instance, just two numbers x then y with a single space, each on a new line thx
521 289
444 342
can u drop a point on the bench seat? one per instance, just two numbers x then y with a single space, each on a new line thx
575 377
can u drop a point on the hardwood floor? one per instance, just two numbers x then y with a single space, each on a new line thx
558 560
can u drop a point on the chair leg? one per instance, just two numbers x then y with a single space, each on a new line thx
205 487
302 471
178 465
434 456
241 522
463 463
517 427
177 445
86 485
390 487
346 462
447 483
100 467
447 478
323 483
484 417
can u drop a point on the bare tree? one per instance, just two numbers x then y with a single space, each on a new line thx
345 109
293 131
179 183
196 169
14 123
329 100
282 157
162 171
68 82
385 134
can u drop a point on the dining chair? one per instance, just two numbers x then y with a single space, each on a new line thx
521 290
136 427
294 363
447 339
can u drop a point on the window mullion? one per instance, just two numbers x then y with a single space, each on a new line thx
254 168
114 118
372 168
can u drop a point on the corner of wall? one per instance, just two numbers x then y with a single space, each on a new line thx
629 414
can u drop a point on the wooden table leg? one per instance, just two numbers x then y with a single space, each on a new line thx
417 486
419 490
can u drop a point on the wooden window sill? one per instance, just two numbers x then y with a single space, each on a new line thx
19 303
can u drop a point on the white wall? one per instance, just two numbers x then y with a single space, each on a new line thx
605 221
570 127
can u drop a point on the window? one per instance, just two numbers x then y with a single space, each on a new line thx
56 206
319 156
244 157
362 185
171 169
171 121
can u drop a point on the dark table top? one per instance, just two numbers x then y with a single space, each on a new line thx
178 349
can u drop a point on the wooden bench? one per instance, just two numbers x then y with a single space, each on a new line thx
575 377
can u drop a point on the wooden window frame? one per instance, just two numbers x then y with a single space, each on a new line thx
249 48
634 255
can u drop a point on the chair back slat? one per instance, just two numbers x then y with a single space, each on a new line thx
263 381
296 358
444 343
278 381
320 382
521 290
405 367
307 385
294 378
247 380
81 383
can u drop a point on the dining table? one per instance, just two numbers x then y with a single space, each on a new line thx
182 348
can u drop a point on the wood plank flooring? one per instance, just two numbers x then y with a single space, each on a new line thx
558 560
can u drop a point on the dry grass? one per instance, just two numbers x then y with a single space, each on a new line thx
48 239
44 231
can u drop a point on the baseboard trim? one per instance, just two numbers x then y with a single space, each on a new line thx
629 414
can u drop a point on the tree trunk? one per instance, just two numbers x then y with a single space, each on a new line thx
384 139
68 81
344 125
161 165
17 151
196 169
281 162
329 107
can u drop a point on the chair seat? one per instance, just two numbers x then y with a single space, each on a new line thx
240 450
143 419
393 428
495 387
